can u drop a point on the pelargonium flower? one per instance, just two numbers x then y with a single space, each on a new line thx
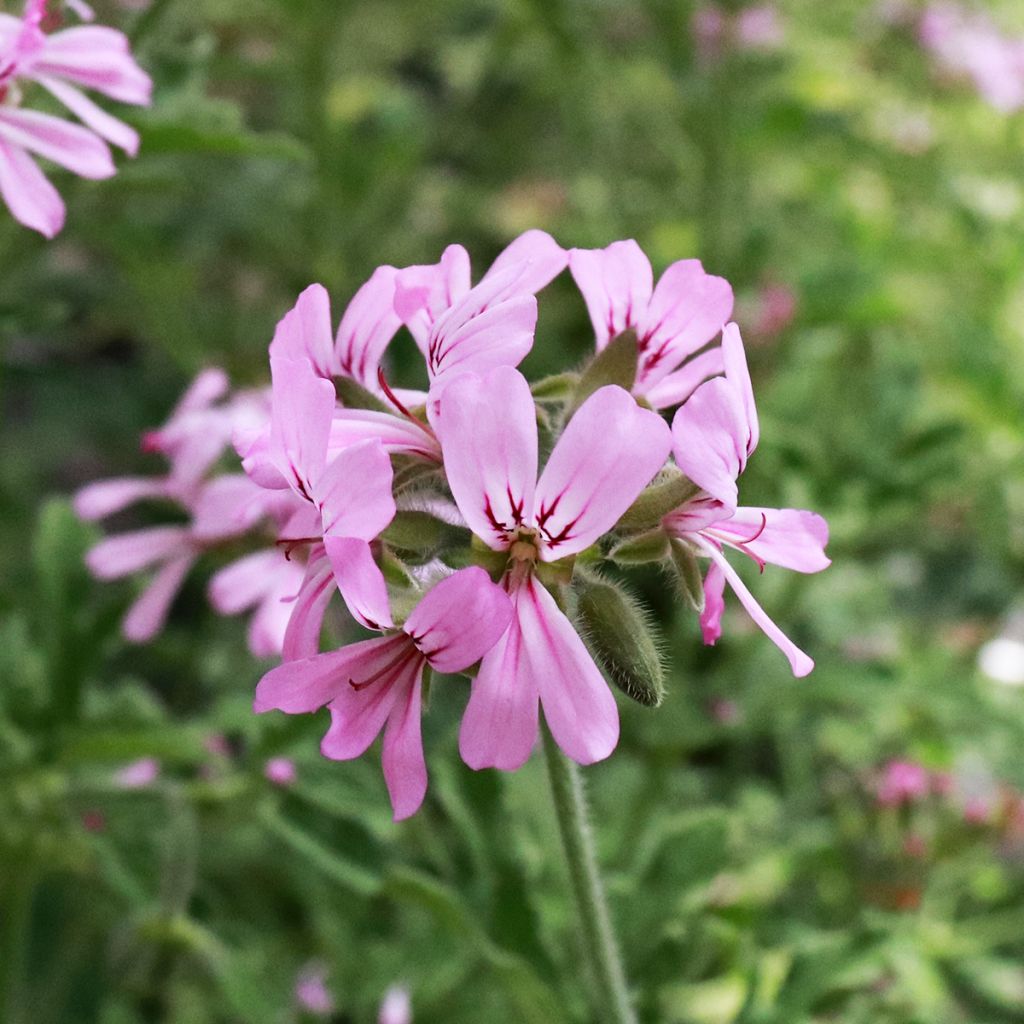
903 782
609 451
376 684
673 321
89 56
714 433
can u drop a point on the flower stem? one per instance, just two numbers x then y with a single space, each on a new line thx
595 922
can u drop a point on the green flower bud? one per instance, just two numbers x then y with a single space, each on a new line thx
614 364
617 629
418 536
641 548
688 575
668 491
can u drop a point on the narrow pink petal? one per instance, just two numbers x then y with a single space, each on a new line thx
304 332
405 770
126 553
302 637
93 116
738 375
578 705
616 283
246 581
229 505
309 684
710 439
208 385
678 386
423 293
269 623
800 662
300 422
367 326
714 605
69 145
488 433
360 581
98 58
253 445
459 620
499 725
147 615
610 450
688 308
361 707
105 497
302 524
354 492
397 434
790 537
30 197
541 258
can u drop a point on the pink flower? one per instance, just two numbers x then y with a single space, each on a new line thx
758 28
377 683
609 451
311 992
139 774
776 307
396 1007
280 771
673 321
92 57
714 433
902 782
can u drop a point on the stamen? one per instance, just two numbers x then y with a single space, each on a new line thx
291 543
397 403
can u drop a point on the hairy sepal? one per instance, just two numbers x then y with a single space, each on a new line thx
418 536
614 364
641 549
688 574
667 492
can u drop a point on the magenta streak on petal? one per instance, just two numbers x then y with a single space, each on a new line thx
407 652
397 403
740 545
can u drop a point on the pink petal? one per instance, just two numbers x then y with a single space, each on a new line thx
499 726
361 583
423 293
397 434
800 662
543 257
616 283
610 450
714 605
488 433
369 323
679 385
92 116
227 506
253 445
354 493
98 58
246 581
459 620
710 439
147 615
738 375
358 715
269 623
304 332
405 771
688 309
302 637
300 422
105 497
69 145
309 684
578 705
126 553
790 537
30 197
206 387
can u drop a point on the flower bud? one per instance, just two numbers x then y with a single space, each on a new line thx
614 364
418 536
641 549
688 576
618 632
669 490
353 395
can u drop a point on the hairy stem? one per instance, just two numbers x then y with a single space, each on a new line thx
595 922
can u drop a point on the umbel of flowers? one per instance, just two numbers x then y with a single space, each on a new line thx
466 525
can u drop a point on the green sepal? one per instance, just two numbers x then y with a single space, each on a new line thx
428 679
614 364
616 628
419 536
354 396
412 474
555 573
556 388
642 548
669 490
395 572
688 575
493 562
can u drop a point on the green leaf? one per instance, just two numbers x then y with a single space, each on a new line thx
614 364
161 137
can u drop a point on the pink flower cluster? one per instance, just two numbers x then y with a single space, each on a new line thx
431 513
64 62
753 28
966 43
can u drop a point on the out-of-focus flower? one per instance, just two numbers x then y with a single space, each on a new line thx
92 57
396 1007
139 774
759 28
280 771
93 821
753 28
776 307
311 992
902 782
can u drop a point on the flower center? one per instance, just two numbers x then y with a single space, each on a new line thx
524 545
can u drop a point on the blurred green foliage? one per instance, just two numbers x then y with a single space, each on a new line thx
753 878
